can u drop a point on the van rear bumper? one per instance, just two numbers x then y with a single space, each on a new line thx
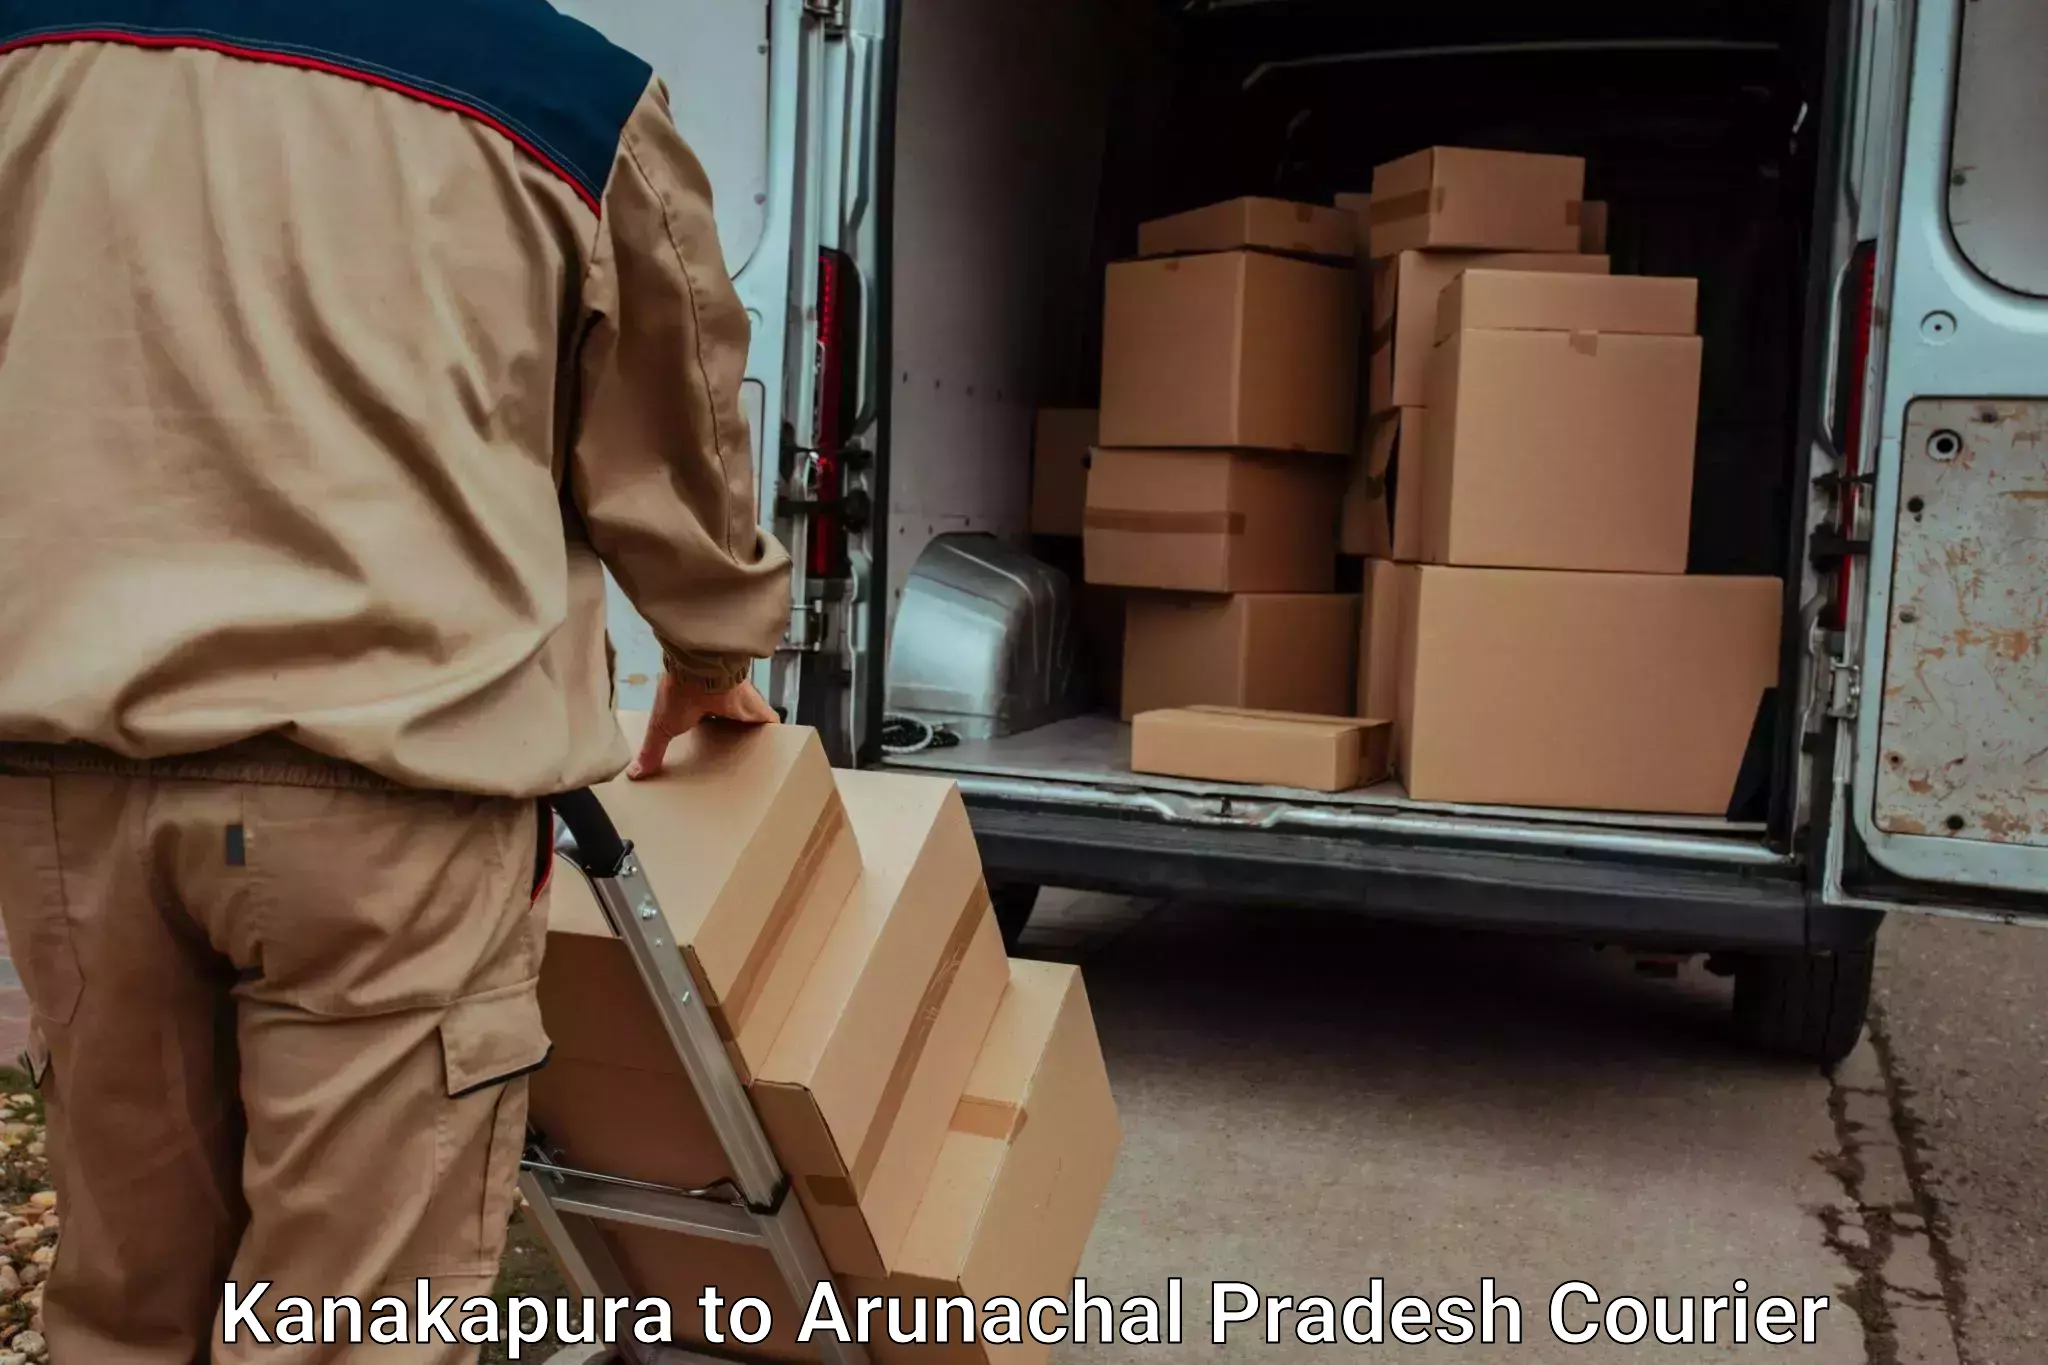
1647 903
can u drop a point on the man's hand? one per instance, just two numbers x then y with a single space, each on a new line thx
678 707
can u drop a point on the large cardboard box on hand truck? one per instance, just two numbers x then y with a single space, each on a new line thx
858 1086
1008 1209
747 847
858 1090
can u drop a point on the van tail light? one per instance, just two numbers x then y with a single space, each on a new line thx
838 393
1852 383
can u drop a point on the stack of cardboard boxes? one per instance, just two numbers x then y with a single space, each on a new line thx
1229 399
1519 487
1529 625
942 1111
1500 211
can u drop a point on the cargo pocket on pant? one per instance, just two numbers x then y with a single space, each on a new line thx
32 899
490 1044
492 1038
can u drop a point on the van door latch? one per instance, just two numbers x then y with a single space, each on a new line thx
1845 691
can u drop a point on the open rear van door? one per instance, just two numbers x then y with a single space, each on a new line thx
747 82
1941 778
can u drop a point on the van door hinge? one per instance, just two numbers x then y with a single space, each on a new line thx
832 12
1845 689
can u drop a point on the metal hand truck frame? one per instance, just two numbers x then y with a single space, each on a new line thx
755 1207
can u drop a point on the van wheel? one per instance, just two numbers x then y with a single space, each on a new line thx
1809 1006
1013 903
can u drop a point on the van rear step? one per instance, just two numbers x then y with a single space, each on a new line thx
1634 902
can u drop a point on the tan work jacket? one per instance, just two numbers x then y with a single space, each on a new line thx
330 369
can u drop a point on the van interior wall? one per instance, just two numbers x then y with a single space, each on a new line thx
1003 124
1033 139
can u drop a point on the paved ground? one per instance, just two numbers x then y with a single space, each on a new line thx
1963 1027
1308 1109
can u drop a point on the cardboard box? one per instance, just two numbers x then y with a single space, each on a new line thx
1459 197
1528 300
1212 520
752 858
1560 449
1384 509
1593 691
1269 651
1405 294
1593 227
748 849
1269 748
1382 634
1239 349
1029 1153
1254 223
1059 469
1018 1188
859 1088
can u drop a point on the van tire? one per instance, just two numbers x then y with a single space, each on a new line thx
1013 902
1807 1006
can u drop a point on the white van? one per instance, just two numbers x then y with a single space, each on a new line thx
919 198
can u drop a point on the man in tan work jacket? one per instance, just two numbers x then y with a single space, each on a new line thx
339 343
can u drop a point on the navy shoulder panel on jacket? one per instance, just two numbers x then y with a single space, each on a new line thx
551 84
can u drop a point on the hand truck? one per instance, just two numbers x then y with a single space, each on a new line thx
755 1207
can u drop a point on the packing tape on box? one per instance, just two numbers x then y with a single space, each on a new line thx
972 915
988 1118
1164 523
732 1011
1586 343
998 1119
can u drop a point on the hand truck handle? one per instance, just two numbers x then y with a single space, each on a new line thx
599 851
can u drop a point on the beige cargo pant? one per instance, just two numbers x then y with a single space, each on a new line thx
283 1016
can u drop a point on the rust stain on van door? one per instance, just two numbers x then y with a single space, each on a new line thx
1964 730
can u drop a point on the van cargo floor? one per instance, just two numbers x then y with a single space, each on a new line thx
1095 752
